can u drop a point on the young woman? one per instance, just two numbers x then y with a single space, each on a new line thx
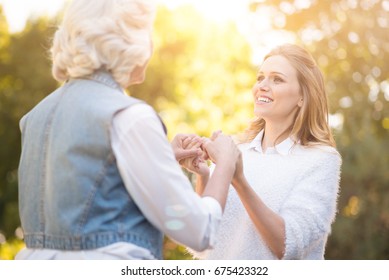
286 186
98 178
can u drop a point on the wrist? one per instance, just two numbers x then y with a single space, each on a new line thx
202 177
239 181
228 167
202 174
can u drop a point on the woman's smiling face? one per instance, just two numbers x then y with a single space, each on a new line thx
277 94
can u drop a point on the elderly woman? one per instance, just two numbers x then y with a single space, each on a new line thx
98 178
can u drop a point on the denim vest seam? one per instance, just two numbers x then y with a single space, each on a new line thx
44 145
40 240
108 161
85 212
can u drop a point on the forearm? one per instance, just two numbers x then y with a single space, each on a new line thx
201 182
219 182
270 225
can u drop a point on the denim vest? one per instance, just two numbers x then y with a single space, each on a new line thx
71 195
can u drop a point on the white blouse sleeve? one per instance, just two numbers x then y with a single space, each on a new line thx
156 182
311 207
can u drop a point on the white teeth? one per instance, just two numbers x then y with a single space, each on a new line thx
264 99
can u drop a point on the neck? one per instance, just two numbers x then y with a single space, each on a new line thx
274 134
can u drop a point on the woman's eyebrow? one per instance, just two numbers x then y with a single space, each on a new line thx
273 73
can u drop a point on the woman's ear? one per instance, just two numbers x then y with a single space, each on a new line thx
300 103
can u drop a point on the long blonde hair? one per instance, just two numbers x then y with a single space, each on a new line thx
114 35
310 126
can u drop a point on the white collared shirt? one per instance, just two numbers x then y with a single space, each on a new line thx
158 186
283 148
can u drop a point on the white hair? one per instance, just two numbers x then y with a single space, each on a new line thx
114 35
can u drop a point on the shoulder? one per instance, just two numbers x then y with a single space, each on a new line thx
140 116
137 110
316 152
323 163
325 153
316 160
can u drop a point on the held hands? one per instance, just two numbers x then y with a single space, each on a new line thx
188 152
196 164
220 148
226 146
192 152
182 152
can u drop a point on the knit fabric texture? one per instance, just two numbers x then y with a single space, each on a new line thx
300 184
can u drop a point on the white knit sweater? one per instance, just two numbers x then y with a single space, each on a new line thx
300 184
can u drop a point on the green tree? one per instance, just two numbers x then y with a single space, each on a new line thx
201 74
24 80
5 154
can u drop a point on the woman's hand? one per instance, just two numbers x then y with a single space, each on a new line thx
180 152
196 164
221 149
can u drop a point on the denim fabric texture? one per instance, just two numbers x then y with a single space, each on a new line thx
71 195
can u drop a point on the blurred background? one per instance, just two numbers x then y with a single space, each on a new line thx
200 78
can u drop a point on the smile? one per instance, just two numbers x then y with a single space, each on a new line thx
264 99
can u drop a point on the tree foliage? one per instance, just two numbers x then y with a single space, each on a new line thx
24 81
200 74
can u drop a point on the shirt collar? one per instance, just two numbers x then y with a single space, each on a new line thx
283 148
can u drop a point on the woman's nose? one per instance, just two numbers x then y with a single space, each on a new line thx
263 85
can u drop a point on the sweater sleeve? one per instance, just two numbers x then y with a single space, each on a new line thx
310 208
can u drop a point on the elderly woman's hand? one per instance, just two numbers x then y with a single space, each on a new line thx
196 164
180 152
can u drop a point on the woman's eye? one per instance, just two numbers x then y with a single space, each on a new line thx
278 80
260 78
